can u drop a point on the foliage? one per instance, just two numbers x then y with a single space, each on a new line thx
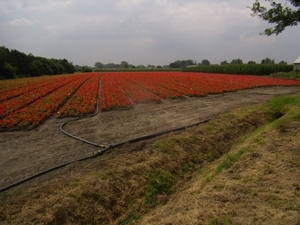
98 65
159 182
224 62
17 64
9 70
122 65
205 62
243 69
268 61
279 104
182 63
236 61
86 69
289 75
282 15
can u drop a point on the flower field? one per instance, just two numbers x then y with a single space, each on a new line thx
28 102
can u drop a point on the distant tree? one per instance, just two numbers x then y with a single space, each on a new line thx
267 61
35 68
86 69
77 67
174 65
251 62
181 63
98 65
124 64
159 67
111 65
67 67
236 61
205 62
282 62
282 15
141 66
9 71
150 66
224 62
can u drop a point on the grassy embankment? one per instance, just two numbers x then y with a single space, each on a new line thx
242 167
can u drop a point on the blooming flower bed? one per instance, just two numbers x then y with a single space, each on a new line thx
28 102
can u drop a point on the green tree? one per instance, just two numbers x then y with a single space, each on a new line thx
251 62
98 65
236 61
9 71
35 68
86 69
282 62
282 15
181 63
267 61
124 64
224 62
205 62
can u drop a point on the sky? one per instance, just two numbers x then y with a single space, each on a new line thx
142 32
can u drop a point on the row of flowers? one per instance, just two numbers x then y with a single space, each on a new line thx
177 84
31 101
84 100
112 95
42 108
134 91
33 92
14 88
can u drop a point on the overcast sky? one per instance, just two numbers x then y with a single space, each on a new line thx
142 32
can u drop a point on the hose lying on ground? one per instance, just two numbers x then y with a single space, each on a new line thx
98 153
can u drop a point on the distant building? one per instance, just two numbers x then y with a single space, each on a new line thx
297 64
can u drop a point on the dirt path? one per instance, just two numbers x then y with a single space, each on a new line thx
23 153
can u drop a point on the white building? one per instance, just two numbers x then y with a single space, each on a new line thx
297 64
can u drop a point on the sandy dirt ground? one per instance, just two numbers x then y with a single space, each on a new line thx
24 153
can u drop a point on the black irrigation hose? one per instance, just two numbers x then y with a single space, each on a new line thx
82 117
41 173
98 153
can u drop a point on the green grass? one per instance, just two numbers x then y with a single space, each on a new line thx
279 104
289 75
159 182
161 146
229 160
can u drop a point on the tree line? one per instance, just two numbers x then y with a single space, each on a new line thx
14 64
206 62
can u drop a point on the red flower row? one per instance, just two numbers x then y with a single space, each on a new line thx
13 88
42 108
28 102
84 100
32 93
112 96
134 91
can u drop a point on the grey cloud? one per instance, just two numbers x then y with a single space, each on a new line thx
141 32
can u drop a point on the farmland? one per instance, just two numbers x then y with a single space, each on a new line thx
26 103
110 188
104 188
